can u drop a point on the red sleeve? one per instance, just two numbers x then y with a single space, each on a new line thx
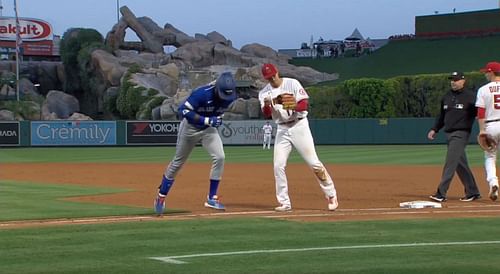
267 110
481 113
302 105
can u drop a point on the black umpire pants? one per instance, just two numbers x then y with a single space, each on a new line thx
456 161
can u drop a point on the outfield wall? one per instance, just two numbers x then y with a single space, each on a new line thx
463 24
142 133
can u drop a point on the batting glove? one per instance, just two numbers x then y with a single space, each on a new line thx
213 121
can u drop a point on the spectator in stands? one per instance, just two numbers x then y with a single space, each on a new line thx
358 49
342 48
335 51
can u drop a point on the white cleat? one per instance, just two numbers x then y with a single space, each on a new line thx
283 208
332 203
493 193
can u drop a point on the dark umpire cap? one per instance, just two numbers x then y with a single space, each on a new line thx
456 75
225 86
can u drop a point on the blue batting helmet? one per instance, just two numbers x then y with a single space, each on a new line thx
225 86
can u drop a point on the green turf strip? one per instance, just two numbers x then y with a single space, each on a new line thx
22 201
127 247
355 154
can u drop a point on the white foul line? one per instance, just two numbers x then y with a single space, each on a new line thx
174 259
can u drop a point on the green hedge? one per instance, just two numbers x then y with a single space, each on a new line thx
76 45
402 96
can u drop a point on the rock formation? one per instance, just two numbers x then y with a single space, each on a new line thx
167 77
196 61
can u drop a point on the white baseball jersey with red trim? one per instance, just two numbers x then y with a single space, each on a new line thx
268 129
488 97
290 86
293 132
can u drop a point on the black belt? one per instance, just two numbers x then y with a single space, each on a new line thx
491 121
291 122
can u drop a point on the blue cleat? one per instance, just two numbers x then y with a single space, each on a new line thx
159 205
214 203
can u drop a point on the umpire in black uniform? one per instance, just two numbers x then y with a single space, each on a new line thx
457 116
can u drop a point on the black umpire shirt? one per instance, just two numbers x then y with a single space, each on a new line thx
458 111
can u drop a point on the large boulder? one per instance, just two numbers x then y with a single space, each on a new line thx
59 105
79 116
175 37
108 66
158 81
116 37
224 55
144 59
26 88
266 52
199 54
7 115
306 75
170 70
150 42
168 110
218 38
48 75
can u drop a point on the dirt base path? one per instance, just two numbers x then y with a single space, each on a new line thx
365 191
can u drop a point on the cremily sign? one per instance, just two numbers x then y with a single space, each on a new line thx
73 133
30 29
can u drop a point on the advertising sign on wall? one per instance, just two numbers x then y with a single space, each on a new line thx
152 132
243 132
30 29
73 133
9 133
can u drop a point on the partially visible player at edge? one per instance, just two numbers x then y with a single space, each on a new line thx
293 131
201 114
488 117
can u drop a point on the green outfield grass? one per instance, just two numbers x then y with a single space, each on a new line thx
353 154
419 56
231 245
23 201
271 246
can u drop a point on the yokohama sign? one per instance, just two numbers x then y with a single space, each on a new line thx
30 29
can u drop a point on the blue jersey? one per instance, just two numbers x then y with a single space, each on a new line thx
204 103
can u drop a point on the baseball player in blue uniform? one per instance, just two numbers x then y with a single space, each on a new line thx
200 115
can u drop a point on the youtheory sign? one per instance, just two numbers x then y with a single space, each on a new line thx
30 29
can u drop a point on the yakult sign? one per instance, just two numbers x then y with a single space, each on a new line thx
30 29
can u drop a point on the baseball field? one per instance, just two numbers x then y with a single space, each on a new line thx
89 210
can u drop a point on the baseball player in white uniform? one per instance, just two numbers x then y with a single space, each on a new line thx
292 131
488 115
268 132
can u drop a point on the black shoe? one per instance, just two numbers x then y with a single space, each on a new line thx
437 198
470 198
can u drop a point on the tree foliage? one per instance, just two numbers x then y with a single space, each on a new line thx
403 96
72 42
370 97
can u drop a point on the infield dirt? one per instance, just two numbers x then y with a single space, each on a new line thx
364 191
